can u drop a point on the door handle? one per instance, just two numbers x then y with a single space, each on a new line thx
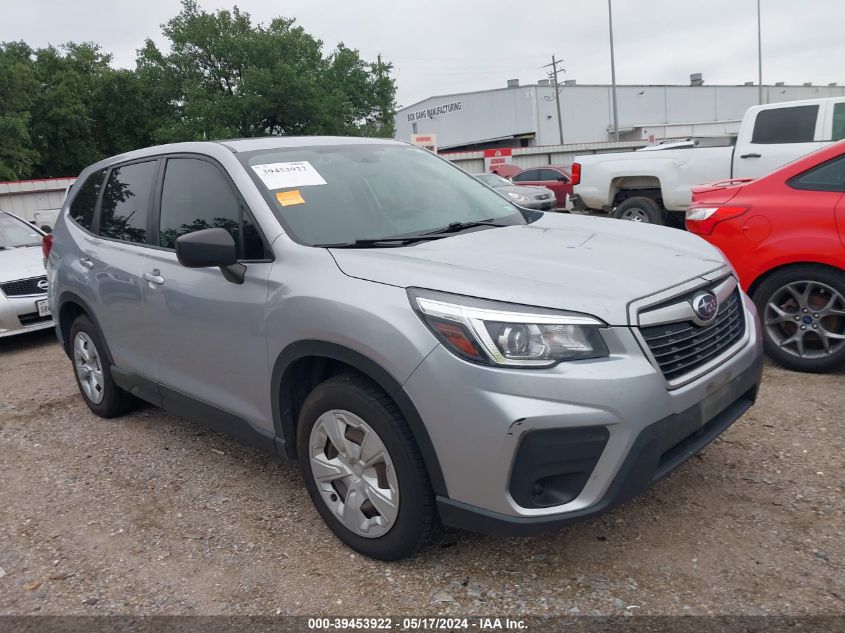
750 156
154 277
88 263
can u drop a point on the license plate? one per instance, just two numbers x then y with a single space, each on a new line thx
717 402
43 308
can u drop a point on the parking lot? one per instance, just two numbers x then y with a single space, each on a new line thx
149 514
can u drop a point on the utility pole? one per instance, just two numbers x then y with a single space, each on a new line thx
554 64
759 57
613 73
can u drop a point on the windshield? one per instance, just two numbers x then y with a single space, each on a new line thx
343 193
492 180
15 233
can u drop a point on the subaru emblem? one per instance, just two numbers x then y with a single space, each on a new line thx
705 305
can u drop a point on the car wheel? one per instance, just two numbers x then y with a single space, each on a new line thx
640 209
802 312
363 469
92 369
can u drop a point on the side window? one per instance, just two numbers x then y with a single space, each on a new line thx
126 202
196 196
838 122
549 174
82 207
531 174
786 125
829 176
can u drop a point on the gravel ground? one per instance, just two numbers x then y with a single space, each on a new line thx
150 514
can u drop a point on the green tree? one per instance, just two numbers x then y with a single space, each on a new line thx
64 108
62 127
228 77
18 86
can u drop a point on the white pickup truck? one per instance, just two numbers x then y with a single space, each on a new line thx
653 184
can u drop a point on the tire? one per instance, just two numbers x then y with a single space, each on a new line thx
113 401
640 209
391 533
781 298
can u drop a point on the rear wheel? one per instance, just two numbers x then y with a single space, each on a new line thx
92 370
802 311
363 470
640 209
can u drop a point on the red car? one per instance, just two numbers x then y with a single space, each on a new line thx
785 236
554 177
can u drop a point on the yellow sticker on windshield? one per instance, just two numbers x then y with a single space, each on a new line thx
287 198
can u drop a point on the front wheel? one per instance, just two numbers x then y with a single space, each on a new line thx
802 311
363 470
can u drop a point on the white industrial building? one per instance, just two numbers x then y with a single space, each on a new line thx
525 116
36 201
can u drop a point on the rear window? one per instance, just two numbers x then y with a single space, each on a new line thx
786 125
829 176
126 202
82 207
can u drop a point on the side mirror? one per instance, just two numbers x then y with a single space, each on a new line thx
209 248
47 228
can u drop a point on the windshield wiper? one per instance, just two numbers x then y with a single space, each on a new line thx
403 240
455 227
382 242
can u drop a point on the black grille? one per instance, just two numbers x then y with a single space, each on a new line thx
680 348
32 318
23 287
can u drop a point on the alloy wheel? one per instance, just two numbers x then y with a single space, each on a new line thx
635 215
806 319
89 369
354 473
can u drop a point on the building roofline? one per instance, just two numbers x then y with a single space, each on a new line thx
565 87
18 182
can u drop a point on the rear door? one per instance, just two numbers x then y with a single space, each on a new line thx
776 136
111 261
208 333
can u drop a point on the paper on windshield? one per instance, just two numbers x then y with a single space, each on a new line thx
284 175
287 198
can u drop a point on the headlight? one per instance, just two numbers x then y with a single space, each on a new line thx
503 334
513 195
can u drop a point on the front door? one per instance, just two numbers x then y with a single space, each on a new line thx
208 333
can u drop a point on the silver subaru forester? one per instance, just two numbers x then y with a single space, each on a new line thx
429 352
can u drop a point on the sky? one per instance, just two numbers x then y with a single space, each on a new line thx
440 47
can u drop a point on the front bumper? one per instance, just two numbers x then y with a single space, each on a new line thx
540 205
19 315
636 430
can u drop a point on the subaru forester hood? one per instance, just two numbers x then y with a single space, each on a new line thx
584 264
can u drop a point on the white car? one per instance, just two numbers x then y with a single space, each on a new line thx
653 183
23 280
